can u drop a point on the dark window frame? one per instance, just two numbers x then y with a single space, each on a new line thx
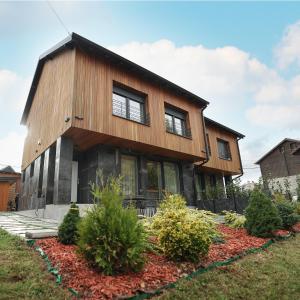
131 96
176 114
227 145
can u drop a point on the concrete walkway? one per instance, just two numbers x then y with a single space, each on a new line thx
27 227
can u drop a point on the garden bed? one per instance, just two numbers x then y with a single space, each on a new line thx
158 271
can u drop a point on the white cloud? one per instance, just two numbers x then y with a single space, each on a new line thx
11 149
231 79
13 90
288 50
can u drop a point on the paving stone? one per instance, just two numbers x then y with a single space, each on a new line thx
19 225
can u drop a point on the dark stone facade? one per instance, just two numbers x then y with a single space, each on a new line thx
50 183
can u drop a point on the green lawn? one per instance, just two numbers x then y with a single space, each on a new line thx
274 274
23 274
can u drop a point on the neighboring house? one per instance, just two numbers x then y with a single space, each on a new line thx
281 165
9 187
89 108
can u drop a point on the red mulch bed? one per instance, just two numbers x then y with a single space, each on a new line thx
296 227
158 271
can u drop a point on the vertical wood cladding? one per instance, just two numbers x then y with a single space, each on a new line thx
92 108
232 166
52 104
281 162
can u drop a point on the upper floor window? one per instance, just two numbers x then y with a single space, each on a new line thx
293 146
128 105
176 122
224 149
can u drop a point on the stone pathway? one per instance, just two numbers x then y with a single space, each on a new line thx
27 227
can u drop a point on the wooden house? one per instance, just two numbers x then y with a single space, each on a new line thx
89 108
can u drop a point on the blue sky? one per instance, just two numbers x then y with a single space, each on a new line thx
242 57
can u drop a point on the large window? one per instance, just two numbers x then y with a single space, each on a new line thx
171 176
223 149
128 105
154 182
129 174
200 185
176 122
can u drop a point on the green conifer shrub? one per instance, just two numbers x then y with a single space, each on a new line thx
111 236
262 216
287 214
67 231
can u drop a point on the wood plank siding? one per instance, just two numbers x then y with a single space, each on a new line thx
4 191
92 110
52 104
233 166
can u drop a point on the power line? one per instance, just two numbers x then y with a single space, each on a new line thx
57 16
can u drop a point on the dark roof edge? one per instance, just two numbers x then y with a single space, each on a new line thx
269 152
76 40
210 121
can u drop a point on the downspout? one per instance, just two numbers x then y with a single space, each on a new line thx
205 139
206 153
242 171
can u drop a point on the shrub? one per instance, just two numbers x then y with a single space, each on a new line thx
287 214
234 220
261 215
67 231
110 236
297 208
181 234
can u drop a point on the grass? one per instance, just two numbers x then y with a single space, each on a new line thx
273 274
23 274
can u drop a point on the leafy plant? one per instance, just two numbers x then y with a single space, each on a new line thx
234 220
261 215
111 236
297 208
67 231
287 214
182 234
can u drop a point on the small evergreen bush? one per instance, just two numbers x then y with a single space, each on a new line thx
181 234
67 231
234 220
261 215
110 236
287 214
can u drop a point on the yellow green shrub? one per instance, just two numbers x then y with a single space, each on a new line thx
181 232
234 220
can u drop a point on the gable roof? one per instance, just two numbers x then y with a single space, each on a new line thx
7 169
216 124
77 41
274 148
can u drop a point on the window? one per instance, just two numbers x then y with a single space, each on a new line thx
213 180
171 176
176 122
129 173
208 145
200 185
223 149
293 146
128 105
154 182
